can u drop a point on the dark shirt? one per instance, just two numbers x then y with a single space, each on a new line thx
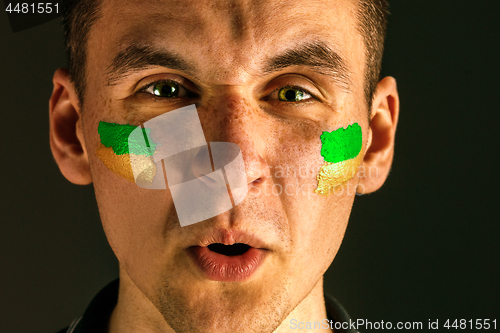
95 319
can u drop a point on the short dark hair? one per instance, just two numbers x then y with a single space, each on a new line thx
372 18
79 16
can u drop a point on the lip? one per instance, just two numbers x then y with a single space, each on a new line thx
230 237
219 267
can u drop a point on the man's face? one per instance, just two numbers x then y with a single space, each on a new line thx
229 51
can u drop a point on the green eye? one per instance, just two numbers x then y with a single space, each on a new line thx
166 89
291 94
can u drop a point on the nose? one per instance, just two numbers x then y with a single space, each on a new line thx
233 118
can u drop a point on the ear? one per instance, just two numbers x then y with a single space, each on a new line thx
380 151
66 132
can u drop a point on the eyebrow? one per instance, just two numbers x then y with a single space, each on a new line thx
135 58
316 55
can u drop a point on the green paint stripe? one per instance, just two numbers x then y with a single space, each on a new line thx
342 144
117 136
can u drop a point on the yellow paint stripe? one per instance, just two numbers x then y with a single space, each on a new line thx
121 165
118 164
333 175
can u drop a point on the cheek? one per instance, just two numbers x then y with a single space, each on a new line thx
294 158
294 163
317 222
129 214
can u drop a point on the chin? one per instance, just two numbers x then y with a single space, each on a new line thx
213 306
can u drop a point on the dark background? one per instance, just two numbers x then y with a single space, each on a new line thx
426 246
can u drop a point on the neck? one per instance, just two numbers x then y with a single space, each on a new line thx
311 310
134 312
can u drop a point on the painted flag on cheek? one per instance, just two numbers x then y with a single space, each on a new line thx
341 151
117 152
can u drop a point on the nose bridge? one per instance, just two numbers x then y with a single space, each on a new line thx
231 117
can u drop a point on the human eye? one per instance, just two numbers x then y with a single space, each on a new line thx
166 89
292 94
289 95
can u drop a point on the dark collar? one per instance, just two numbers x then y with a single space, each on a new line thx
96 317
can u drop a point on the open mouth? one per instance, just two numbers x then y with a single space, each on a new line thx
228 263
236 249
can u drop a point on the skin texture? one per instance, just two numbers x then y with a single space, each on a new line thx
226 43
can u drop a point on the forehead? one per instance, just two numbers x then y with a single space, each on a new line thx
232 35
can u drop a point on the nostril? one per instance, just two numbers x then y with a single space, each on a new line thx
257 181
257 186
257 170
